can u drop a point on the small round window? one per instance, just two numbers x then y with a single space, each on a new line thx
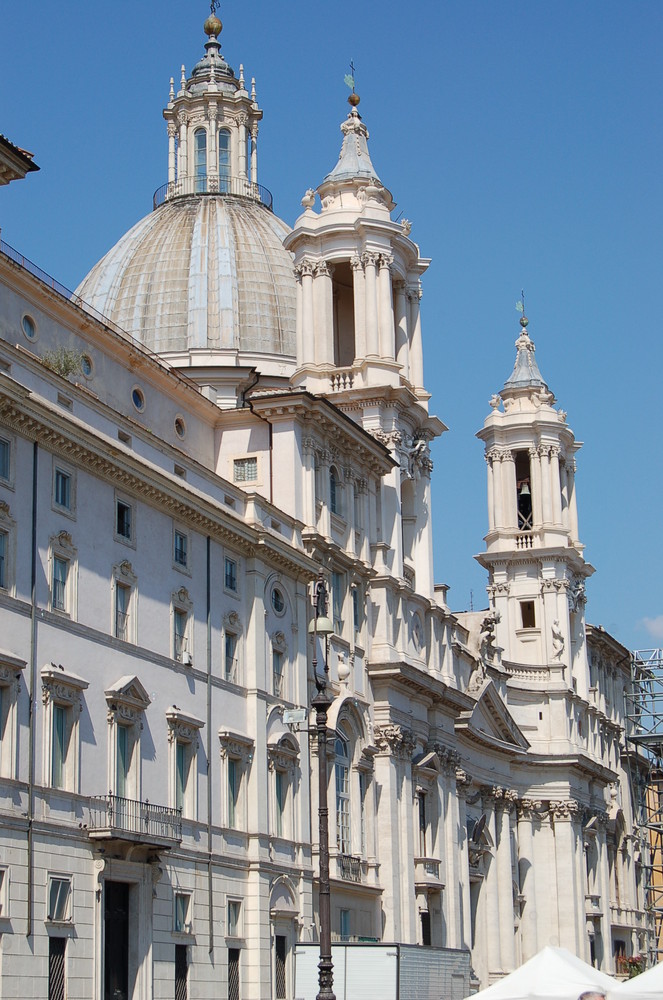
278 601
29 327
180 427
86 365
137 398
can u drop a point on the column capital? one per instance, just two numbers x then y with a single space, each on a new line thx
369 258
569 809
356 263
529 809
395 741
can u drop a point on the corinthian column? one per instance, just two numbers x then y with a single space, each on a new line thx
555 486
359 295
372 334
172 135
416 349
505 801
527 877
494 929
402 353
386 308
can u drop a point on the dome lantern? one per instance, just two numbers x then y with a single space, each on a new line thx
212 131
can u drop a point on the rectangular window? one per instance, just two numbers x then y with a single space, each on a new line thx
123 762
182 908
277 672
56 979
181 966
231 657
3 892
59 894
60 574
363 788
344 924
527 612
180 549
343 807
233 973
281 790
338 586
58 746
230 575
182 768
5 459
179 633
245 470
4 540
62 489
356 621
122 599
234 780
234 917
123 520
421 808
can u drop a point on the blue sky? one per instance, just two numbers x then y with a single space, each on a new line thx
522 139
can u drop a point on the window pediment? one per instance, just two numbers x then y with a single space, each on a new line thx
59 685
127 700
182 726
236 745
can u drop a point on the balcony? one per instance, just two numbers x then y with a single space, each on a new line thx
113 817
215 184
427 874
349 868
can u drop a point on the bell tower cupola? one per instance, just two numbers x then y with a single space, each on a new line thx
358 275
212 124
533 553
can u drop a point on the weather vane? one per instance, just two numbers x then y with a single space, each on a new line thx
349 78
520 306
214 6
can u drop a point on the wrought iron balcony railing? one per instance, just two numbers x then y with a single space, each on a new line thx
116 817
214 184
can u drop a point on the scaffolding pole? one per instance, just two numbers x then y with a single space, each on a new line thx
644 741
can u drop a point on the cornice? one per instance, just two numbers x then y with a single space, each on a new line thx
81 446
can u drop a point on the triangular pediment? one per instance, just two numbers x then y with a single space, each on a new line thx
490 721
128 690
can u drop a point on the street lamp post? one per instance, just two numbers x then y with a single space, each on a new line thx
322 626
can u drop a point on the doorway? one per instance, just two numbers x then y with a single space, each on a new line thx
116 941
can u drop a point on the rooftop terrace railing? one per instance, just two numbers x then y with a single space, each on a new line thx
215 184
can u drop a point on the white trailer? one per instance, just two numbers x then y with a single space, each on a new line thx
385 972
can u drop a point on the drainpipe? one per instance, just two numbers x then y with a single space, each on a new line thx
209 748
32 691
247 402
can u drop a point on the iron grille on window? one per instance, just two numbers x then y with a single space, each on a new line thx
56 948
280 947
233 973
181 992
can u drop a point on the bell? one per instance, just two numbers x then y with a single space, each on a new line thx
524 490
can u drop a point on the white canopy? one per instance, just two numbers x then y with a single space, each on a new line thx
553 974
647 986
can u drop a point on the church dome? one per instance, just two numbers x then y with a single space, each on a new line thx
207 269
204 271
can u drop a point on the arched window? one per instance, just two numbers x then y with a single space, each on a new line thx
200 158
224 161
342 772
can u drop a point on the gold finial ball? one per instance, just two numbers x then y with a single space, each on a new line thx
212 26
353 99
524 322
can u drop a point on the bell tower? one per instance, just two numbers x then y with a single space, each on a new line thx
359 341
533 554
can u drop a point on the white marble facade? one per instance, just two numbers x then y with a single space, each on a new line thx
162 519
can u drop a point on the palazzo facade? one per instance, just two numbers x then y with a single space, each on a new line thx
226 410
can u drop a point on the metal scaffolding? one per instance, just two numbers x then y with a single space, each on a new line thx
644 736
